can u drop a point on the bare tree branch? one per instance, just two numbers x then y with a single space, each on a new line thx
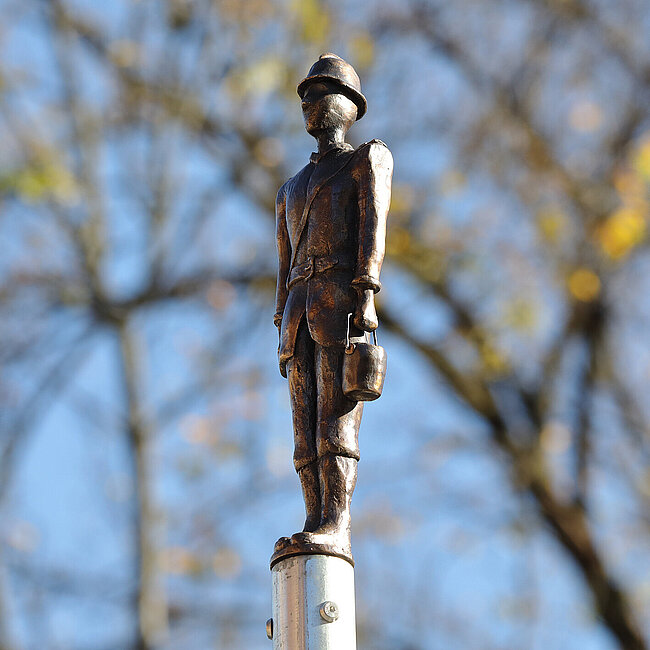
567 521
150 600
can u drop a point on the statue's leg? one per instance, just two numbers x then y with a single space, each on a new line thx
337 435
338 477
302 389
337 417
309 482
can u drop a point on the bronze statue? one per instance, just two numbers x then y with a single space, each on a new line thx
331 230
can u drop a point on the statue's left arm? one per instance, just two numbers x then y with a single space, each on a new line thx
284 254
374 173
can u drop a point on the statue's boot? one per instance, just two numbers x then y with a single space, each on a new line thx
309 481
311 494
281 544
338 477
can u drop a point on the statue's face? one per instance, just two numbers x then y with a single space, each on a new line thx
324 107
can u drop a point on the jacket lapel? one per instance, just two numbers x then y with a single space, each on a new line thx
298 193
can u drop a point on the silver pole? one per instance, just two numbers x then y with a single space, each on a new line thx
313 604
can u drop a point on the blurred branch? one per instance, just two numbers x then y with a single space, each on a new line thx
14 433
175 101
471 390
577 12
61 581
593 333
540 156
153 99
580 12
85 143
150 602
567 521
44 394
637 432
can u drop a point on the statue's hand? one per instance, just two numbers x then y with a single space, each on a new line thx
365 315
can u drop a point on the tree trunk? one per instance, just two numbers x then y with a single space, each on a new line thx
149 598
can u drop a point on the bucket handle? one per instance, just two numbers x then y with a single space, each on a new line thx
348 345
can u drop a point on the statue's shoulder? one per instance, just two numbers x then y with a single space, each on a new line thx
282 192
291 182
375 152
371 143
305 171
375 148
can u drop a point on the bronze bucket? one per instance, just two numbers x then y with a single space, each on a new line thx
364 369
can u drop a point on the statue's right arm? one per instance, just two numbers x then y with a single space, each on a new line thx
284 254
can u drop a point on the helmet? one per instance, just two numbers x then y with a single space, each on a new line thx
333 67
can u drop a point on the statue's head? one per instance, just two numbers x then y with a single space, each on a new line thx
331 95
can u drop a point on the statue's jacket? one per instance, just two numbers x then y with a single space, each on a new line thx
331 232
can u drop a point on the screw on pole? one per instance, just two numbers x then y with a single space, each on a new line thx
269 628
329 611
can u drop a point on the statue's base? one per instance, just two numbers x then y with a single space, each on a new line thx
293 549
313 603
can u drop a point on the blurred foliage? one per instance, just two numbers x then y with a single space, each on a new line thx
505 499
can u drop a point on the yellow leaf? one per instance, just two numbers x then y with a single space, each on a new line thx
551 222
622 231
584 285
363 50
48 178
642 158
401 202
399 240
494 360
263 76
521 314
313 19
29 185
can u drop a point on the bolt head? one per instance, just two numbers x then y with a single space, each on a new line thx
329 611
269 628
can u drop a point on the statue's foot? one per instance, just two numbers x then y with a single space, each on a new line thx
313 544
332 540
281 544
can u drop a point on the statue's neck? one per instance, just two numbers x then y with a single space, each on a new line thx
329 139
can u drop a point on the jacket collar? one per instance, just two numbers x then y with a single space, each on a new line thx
317 157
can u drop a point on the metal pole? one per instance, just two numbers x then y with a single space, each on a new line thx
313 604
